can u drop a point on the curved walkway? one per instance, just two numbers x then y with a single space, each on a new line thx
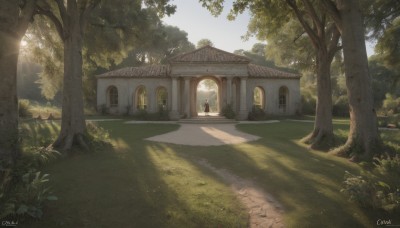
205 135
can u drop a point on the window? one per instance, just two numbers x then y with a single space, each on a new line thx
283 91
162 97
141 98
258 97
113 96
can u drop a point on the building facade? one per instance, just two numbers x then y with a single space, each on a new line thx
173 86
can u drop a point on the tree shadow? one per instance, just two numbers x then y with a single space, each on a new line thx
305 182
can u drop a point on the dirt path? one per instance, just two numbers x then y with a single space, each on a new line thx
264 211
205 135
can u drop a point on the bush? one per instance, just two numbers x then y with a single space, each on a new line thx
378 191
228 112
341 107
161 115
257 113
391 105
23 189
23 108
308 104
98 137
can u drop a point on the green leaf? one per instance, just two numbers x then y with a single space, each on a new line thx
52 198
383 184
22 209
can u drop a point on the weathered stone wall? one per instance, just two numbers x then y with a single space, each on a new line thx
271 91
127 88
127 92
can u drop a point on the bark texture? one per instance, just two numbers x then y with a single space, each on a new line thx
363 141
9 49
14 21
73 127
324 36
322 135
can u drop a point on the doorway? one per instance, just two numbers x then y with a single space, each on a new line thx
208 90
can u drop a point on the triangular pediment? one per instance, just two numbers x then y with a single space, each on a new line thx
208 54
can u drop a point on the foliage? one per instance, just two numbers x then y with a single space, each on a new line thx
391 105
308 102
23 108
161 115
99 138
24 190
257 113
341 107
204 42
381 190
228 112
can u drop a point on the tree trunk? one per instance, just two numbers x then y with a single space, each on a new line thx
73 127
363 141
322 136
9 50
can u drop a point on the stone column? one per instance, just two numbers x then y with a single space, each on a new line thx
243 97
174 114
186 97
228 91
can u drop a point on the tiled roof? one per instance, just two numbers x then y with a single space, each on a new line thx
208 54
266 72
143 71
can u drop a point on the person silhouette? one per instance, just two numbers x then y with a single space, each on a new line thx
206 107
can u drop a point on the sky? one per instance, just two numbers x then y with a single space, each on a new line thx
198 22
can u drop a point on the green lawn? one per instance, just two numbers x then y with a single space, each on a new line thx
141 183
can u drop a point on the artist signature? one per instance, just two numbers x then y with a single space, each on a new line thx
9 223
386 222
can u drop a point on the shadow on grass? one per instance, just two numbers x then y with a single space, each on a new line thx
306 183
130 187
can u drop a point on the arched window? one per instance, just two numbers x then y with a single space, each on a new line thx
162 98
258 97
141 98
112 96
283 93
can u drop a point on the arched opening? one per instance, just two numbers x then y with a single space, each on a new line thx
283 98
208 92
259 98
141 98
162 98
112 96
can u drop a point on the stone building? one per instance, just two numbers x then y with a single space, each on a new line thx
173 86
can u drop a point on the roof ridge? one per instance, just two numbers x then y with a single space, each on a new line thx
243 58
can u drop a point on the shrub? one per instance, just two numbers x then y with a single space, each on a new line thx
379 191
23 108
99 138
141 115
228 112
341 107
23 189
308 103
257 113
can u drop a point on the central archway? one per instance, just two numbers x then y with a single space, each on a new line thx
208 88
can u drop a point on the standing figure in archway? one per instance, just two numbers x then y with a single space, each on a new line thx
206 107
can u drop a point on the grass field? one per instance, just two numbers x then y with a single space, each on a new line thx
141 183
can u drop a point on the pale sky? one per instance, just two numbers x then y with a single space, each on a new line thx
197 21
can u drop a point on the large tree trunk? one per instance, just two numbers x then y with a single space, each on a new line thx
322 136
73 127
9 50
363 140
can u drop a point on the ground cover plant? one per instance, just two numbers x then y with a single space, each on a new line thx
140 183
